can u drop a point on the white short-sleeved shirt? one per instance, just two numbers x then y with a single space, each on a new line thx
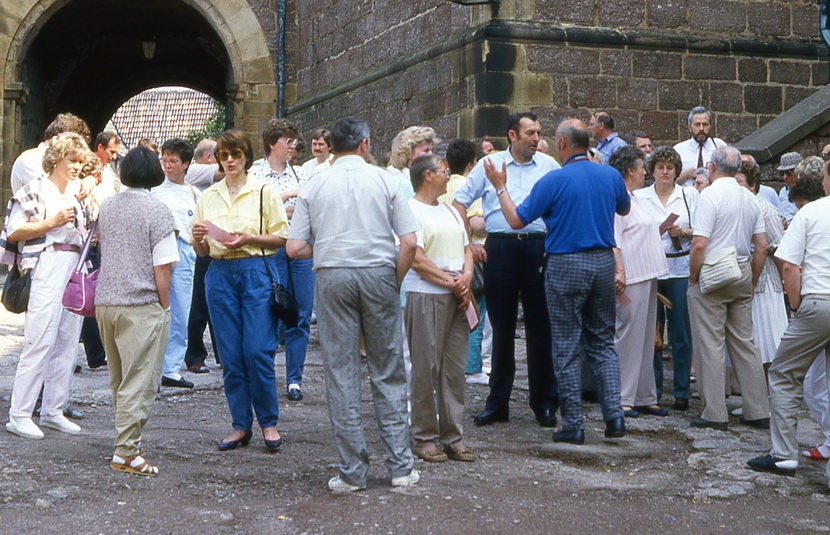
638 240
311 167
718 214
806 243
689 151
788 209
27 167
442 236
200 175
291 178
683 202
181 199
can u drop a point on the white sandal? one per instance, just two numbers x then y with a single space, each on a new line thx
133 465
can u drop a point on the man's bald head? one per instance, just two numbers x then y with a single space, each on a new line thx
575 132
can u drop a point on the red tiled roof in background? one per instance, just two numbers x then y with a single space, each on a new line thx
161 113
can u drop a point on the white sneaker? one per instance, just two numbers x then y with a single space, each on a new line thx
479 378
24 427
738 412
408 480
338 485
60 423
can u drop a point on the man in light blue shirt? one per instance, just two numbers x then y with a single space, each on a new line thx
514 260
602 130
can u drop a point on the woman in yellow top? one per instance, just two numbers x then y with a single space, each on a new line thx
238 286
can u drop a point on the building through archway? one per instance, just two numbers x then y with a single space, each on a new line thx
87 57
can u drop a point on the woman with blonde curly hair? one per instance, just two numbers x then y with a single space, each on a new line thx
406 146
43 233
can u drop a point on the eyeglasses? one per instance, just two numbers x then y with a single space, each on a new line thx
170 161
444 170
291 142
788 172
235 154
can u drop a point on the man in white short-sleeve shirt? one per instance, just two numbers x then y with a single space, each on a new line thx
696 152
727 216
805 251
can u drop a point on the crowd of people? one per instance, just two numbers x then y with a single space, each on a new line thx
409 267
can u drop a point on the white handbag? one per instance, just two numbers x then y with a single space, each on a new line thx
720 267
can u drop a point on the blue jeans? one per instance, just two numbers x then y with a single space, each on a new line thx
302 288
680 331
238 296
474 348
181 291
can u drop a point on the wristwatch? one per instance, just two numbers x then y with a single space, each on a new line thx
500 191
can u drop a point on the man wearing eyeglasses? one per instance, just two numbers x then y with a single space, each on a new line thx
787 169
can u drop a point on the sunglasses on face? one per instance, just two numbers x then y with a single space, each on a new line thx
235 154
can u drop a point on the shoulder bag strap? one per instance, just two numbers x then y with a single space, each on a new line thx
268 267
87 246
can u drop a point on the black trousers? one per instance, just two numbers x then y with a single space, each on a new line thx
93 347
199 318
514 270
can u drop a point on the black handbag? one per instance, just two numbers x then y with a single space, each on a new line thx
285 307
16 290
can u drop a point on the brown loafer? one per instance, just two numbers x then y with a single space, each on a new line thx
460 452
430 454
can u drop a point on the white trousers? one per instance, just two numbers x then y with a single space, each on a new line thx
50 340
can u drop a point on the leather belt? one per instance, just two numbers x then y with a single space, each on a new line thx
64 247
235 254
677 255
519 236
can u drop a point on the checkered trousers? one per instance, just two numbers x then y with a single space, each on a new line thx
581 305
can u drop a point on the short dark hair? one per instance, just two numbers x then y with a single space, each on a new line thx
301 146
752 173
66 122
665 154
104 139
631 138
420 166
141 168
625 159
148 142
180 147
514 120
347 133
274 130
318 133
806 189
460 154
606 120
230 140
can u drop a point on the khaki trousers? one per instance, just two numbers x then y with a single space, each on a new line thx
438 334
807 335
726 315
134 338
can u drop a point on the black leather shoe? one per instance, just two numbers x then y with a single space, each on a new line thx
273 445
700 422
179 383
546 418
760 423
615 428
571 436
490 416
295 394
69 412
681 404
233 444
768 463
651 411
198 367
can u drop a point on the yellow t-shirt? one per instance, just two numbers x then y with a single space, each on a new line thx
475 209
242 215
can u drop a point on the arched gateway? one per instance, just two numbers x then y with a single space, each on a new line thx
89 56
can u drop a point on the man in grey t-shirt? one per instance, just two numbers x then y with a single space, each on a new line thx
347 218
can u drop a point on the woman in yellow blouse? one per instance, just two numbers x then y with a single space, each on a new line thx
238 286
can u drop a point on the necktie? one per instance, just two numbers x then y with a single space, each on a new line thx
700 157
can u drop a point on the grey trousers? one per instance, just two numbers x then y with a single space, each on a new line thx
726 315
348 301
805 338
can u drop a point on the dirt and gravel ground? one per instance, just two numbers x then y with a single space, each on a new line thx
665 477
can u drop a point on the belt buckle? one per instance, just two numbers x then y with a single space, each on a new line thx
522 236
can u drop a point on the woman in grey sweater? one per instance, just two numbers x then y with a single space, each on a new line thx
132 300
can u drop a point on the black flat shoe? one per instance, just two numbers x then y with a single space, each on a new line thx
273 445
295 394
233 444
770 464
652 411
546 418
615 428
681 404
630 413
178 383
760 423
700 422
571 436
490 416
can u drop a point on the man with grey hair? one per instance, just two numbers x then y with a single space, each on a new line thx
728 219
696 151
359 273
786 166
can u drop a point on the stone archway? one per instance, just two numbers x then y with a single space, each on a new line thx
87 57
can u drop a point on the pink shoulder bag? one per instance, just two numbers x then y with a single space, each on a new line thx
79 294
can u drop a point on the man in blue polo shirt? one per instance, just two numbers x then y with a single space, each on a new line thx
577 204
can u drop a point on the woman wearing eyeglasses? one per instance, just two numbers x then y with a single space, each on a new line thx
237 286
280 141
